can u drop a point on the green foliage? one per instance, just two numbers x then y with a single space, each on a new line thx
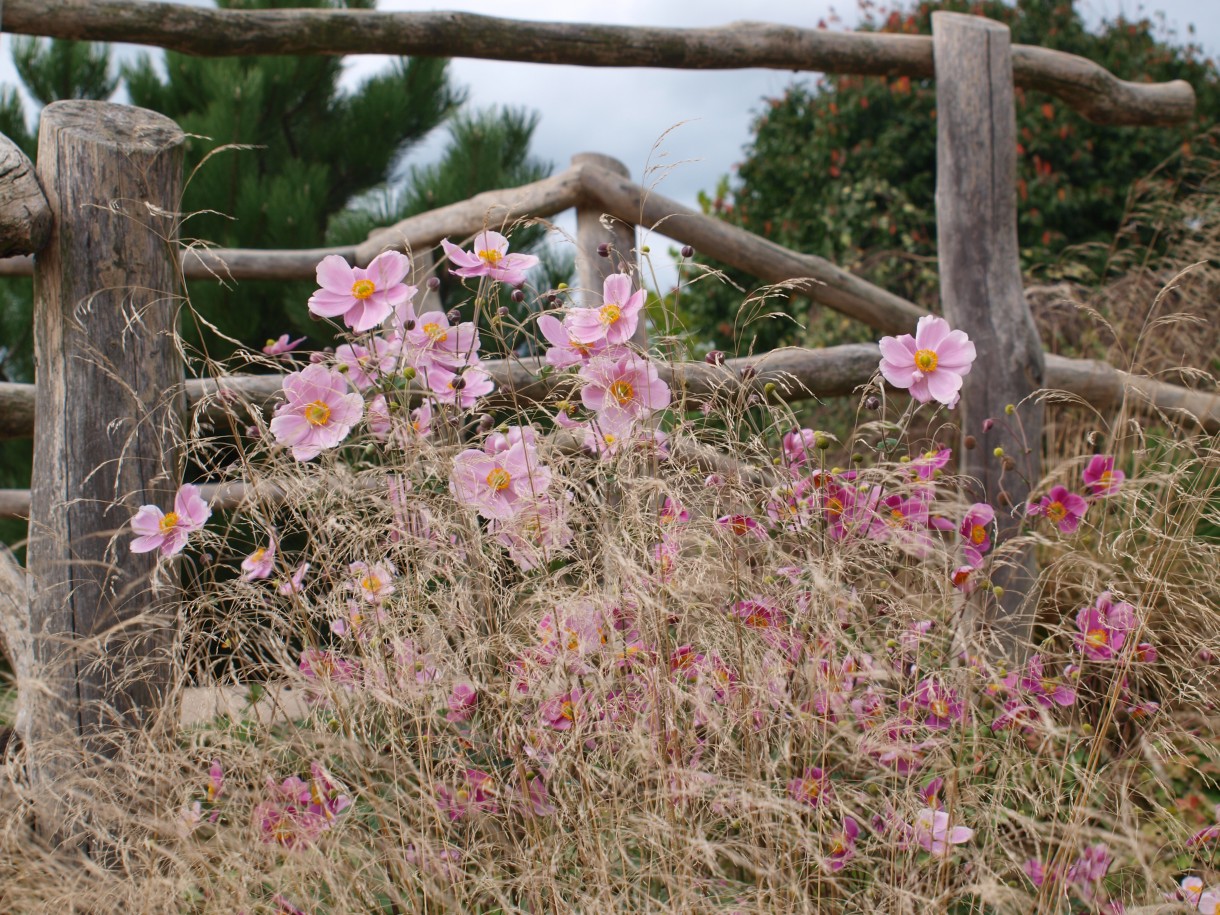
56 70
845 168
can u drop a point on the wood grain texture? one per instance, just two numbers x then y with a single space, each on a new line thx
982 292
108 405
25 216
1088 87
15 642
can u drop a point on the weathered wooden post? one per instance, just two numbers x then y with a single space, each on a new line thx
108 420
591 232
982 291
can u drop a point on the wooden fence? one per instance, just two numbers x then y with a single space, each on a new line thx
94 225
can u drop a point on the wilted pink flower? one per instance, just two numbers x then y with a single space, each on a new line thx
537 798
976 532
1100 477
490 258
812 788
366 366
168 532
259 563
495 484
842 845
623 389
362 297
1104 627
931 364
1063 508
933 833
615 321
282 345
294 584
318 414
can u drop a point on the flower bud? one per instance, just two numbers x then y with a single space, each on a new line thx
501 312
409 372
603 250
517 296
988 423
454 315
748 372
998 452
410 325
872 402
688 251
970 442
769 388
434 283
1010 409
715 357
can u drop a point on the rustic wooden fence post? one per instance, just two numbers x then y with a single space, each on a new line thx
108 418
982 291
591 268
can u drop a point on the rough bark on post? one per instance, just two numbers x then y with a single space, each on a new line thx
25 217
982 291
109 408
592 232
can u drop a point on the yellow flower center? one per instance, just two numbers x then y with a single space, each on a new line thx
435 332
317 413
926 360
362 289
978 533
757 621
1049 685
1057 512
834 507
896 517
939 708
168 523
609 313
257 555
622 391
1097 638
372 584
610 438
491 257
567 711
499 479
838 845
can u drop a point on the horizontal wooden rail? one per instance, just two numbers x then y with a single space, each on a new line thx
1089 88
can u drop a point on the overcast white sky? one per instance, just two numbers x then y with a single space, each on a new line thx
696 121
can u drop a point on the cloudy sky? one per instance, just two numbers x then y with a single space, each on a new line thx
683 129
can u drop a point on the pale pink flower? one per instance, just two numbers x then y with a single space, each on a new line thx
366 366
434 341
933 833
615 321
931 364
490 258
623 389
799 446
294 585
378 418
463 389
462 701
496 484
281 345
564 350
259 563
318 414
535 533
373 582
561 712
1100 477
168 532
362 297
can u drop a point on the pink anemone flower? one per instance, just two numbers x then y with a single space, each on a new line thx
366 366
933 833
1104 627
1062 507
168 531
281 345
319 412
565 349
842 845
812 788
976 532
495 483
623 389
433 341
931 364
490 258
615 321
1100 477
259 564
362 297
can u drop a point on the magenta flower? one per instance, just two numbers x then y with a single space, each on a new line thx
1104 627
216 781
299 811
362 297
812 788
1063 508
976 532
1088 870
168 531
495 484
799 446
842 845
925 467
316 664
282 345
318 414
565 350
461 702
1046 690
1100 477
941 705
615 321
478 793
561 712
933 833
621 390
259 563
931 364
490 258
1210 834
741 526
